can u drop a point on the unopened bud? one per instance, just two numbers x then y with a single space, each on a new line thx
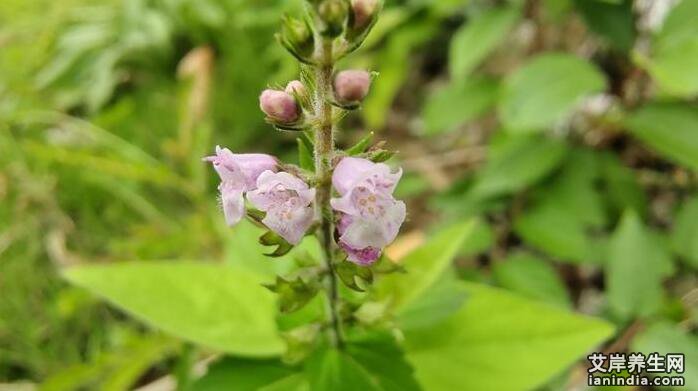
333 13
279 106
351 85
295 86
297 37
363 12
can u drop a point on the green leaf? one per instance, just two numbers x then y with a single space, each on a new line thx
242 249
674 56
241 375
305 155
478 37
438 303
458 103
548 228
515 162
685 233
531 277
622 188
670 129
216 306
424 266
613 21
383 358
373 362
331 369
545 90
477 347
637 262
664 338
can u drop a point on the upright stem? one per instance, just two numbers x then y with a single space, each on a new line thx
324 149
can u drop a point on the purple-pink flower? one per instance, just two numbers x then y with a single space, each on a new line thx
288 203
370 217
238 173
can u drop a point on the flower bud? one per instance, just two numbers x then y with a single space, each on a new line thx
363 12
295 86
297 37
333 13
351 85
279 106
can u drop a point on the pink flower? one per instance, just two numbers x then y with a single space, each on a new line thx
370 217
238 173
288 203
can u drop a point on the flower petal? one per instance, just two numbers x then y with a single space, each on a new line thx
290 223
348 172
233 203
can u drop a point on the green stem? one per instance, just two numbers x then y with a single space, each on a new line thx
324 150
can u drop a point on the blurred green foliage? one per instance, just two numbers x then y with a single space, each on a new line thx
569 128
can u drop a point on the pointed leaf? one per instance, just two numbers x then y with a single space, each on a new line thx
498 341
216 306
546 89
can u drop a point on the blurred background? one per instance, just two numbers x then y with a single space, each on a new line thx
568 128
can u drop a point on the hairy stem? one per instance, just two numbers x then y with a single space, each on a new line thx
324 150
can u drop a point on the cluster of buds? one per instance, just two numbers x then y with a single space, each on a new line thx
290 108
348 22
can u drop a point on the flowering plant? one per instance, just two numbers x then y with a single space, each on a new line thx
336 313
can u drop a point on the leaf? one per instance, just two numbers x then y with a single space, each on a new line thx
674 56
515 162
545 90
621 186
664 338
458 103
383 358
527 275
305 155
478 37
374 362
499 341
685 232
216 306
332 369
670 129
637 262
548 228
424 266
241 375
242 249
437 304
613 21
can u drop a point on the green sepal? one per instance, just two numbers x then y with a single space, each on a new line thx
293 294
361 146
379 155
273 239
349 272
